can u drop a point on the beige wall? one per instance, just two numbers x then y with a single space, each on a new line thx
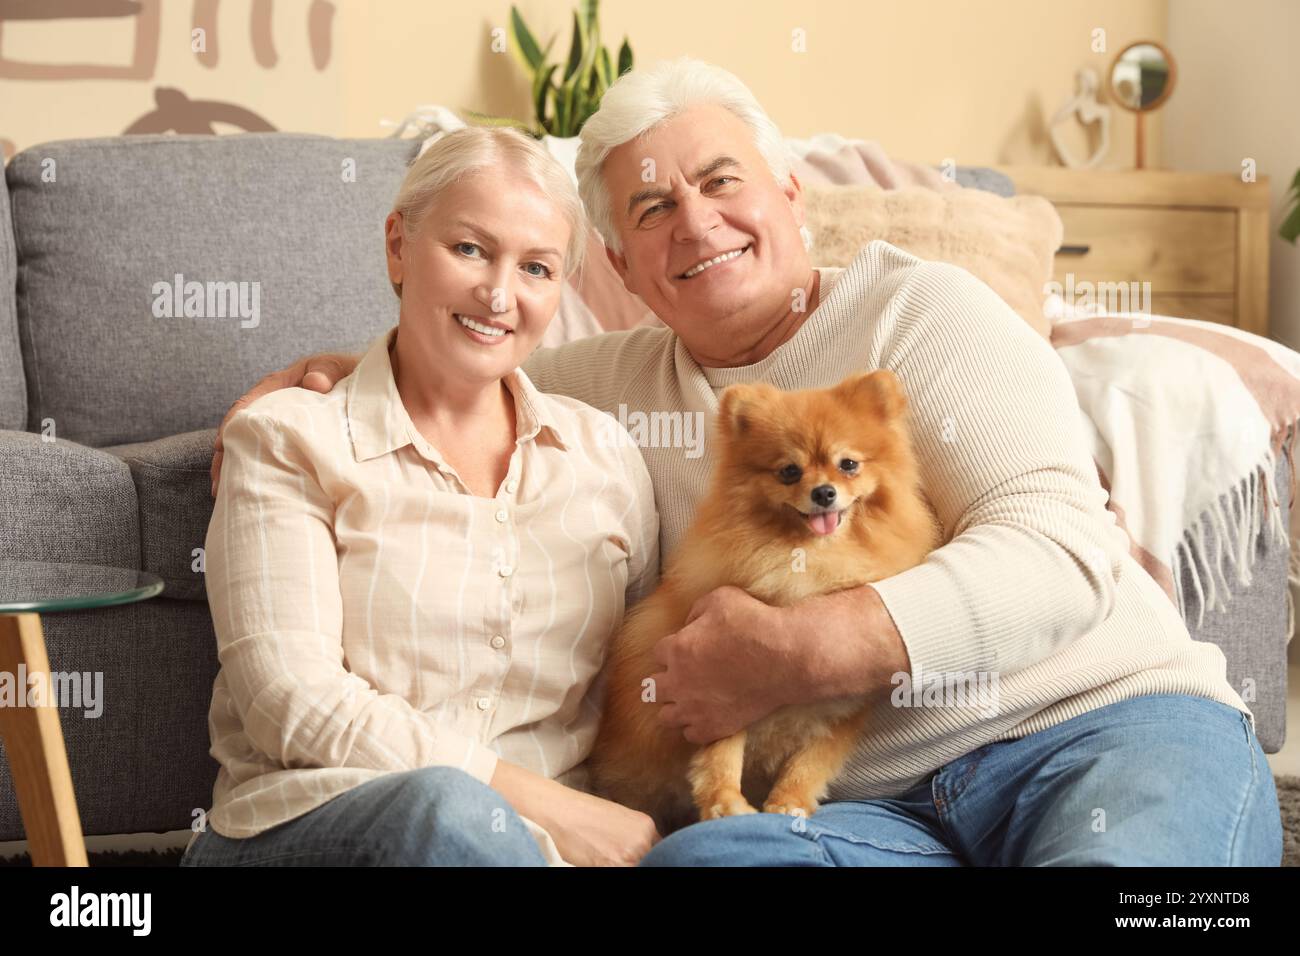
1238 97
929 80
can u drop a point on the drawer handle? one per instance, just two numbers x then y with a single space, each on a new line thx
1078 250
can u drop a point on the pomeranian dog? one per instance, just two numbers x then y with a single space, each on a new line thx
812 491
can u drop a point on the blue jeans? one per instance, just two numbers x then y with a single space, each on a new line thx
1166 779
434 816
1160 780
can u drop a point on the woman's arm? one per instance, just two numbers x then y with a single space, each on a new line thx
273 586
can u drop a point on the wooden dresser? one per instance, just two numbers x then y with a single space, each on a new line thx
1200 239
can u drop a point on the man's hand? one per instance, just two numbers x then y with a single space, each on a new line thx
732 664
738 659
317 372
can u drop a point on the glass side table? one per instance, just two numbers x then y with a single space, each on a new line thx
29 719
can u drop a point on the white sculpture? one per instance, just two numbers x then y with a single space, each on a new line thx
1084 105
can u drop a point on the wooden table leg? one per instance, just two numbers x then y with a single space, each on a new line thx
33 740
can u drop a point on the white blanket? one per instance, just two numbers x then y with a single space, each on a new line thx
1188 419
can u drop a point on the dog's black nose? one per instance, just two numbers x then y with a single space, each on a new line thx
823 496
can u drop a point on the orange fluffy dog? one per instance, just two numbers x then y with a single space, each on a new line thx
813 491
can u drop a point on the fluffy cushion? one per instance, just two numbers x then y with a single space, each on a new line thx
1007 243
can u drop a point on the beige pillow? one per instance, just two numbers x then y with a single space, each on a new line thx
1008 243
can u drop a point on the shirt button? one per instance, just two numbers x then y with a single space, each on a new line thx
512 486
505 570
482 703
498 641
502 515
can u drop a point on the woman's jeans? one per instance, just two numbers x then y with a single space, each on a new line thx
1160 780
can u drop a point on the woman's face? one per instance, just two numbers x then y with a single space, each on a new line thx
481 278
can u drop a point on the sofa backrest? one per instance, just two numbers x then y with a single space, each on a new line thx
160 276
13 394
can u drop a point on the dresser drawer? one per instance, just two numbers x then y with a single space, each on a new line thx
1200 239
1179 251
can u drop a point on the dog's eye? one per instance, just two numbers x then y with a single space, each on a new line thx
848 466
789 474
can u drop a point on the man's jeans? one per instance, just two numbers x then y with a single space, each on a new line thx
1160 780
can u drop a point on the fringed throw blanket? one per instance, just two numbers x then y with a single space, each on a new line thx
1188 419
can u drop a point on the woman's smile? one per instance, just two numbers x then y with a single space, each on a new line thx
482 330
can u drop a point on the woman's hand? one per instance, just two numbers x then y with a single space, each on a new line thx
316 372
587 830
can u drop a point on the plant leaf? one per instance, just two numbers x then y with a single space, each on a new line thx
624 58
575 48
563 99
543 91
587 66
606 72
1291 228
527 46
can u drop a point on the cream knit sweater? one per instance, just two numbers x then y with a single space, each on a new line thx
1033 602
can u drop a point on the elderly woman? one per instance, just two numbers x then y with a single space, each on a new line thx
413 578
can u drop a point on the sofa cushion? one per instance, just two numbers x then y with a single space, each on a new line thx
1008 243
63 502
278 242
173 487
13 394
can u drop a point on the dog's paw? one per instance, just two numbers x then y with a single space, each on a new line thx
790 806
726 806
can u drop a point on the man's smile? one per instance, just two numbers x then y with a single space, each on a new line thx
705 264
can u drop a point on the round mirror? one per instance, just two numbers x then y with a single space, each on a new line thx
1142 76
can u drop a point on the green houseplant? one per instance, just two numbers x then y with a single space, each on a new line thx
1290 228
562 104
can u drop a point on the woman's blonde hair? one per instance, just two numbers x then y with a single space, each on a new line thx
482 149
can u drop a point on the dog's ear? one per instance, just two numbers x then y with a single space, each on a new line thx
879 391
738 406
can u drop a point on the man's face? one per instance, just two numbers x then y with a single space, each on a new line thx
693 189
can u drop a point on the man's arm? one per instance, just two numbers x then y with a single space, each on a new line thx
1034 557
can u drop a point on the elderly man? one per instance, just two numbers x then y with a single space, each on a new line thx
1112 737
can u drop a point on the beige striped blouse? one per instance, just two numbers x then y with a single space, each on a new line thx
373 616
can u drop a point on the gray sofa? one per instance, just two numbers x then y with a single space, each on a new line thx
92 236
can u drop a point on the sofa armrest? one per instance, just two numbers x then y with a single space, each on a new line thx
173 487
64 502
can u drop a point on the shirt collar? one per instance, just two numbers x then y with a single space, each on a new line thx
378 422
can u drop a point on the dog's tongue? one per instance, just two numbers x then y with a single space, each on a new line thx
824 523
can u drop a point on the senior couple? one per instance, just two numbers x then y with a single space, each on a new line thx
418 555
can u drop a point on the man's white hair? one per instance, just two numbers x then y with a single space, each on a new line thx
640 100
